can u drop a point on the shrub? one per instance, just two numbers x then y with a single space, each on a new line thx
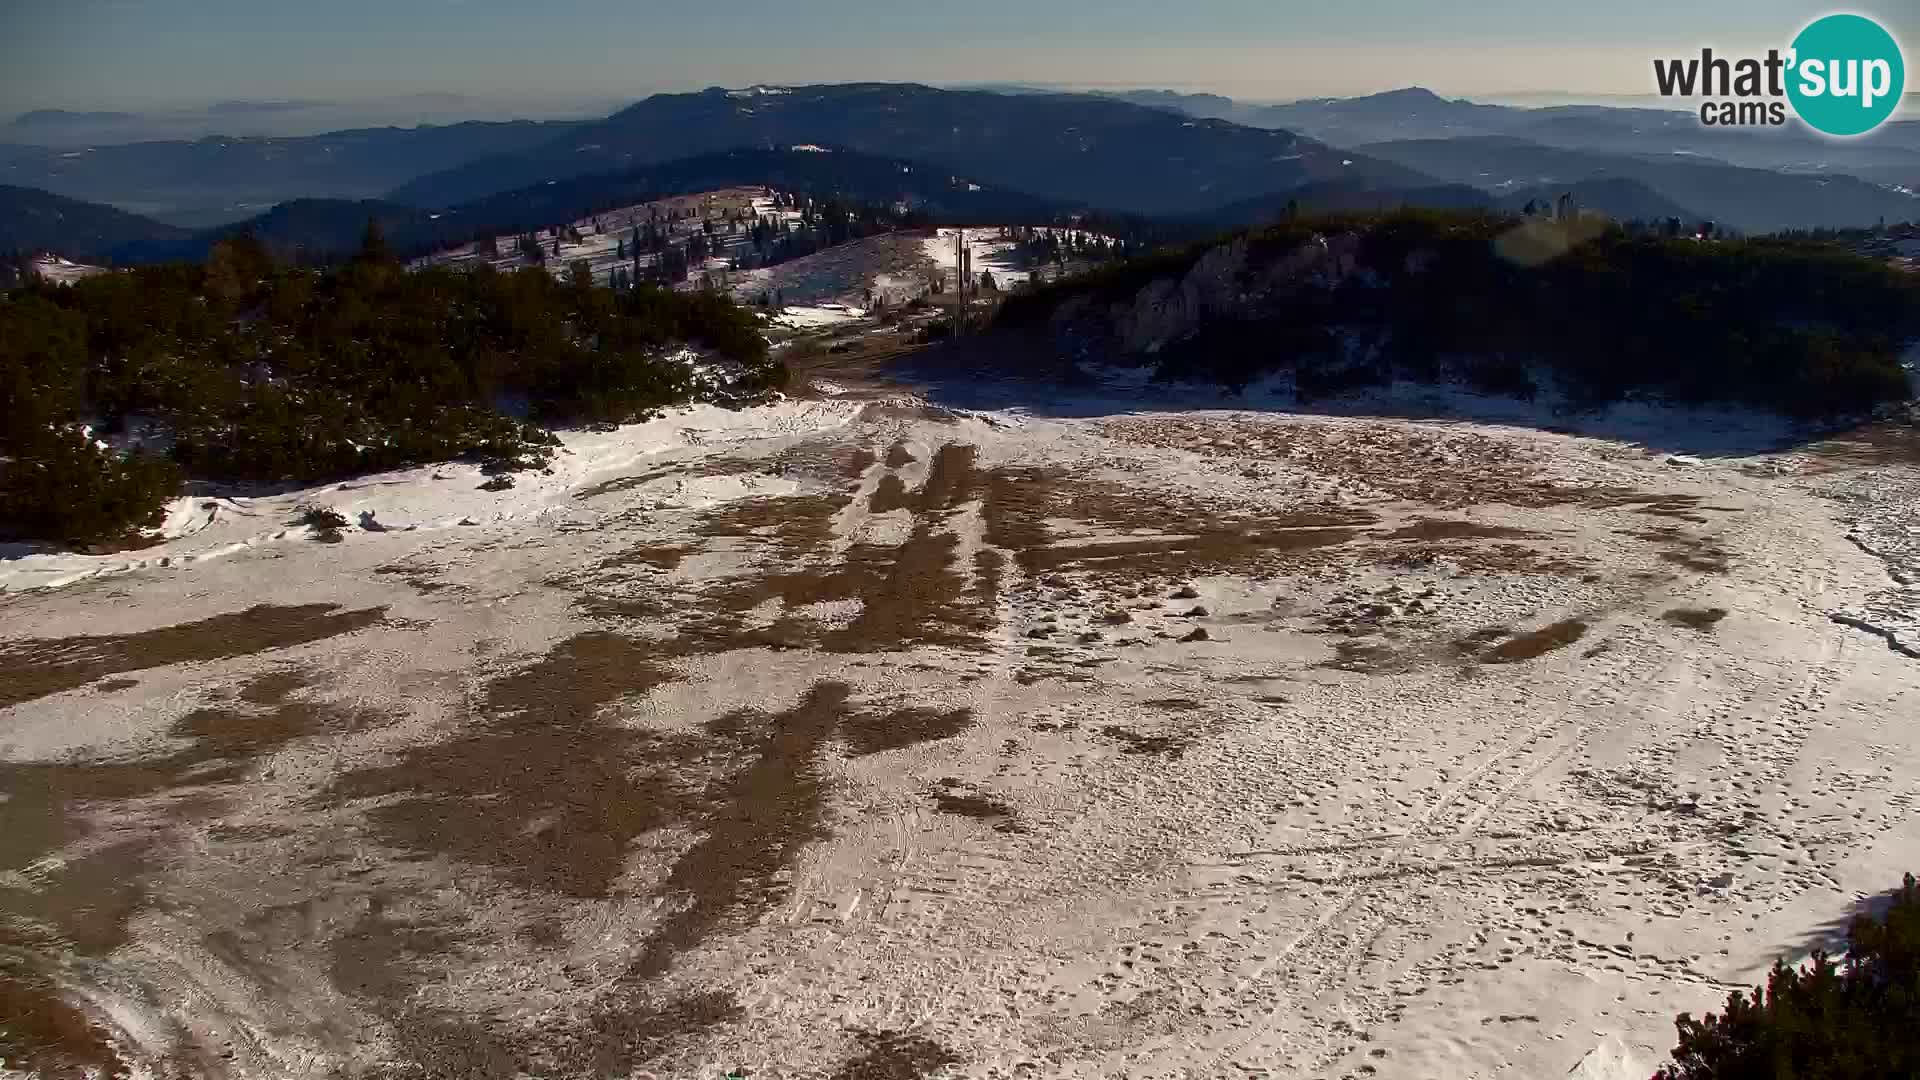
325 521
315 516
1855 1019
63 486
275 375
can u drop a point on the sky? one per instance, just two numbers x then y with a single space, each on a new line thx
160 54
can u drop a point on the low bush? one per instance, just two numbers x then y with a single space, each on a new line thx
64 486
258 373
1857 1018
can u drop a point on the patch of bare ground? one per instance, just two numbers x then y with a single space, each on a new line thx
912 594
1442 469
542 787
1454 529
1173 704
52 806
625 585
1700 619
951 481
383 960
1195 536
654 556
1473 643
1478 558
629 1031
949 798
1133 742
33 668
45 1036
375 961
625 483
1383 658
1370 658
714 466
111 818
418 579
757 823
551 794
875 732
1536 643
859 371
1874 444
893 1055
822 460
888 495
1681 549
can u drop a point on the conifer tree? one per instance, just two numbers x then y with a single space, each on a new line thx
373 244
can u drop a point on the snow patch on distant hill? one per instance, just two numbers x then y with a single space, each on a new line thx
59 271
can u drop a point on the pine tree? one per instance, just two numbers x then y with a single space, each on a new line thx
373 244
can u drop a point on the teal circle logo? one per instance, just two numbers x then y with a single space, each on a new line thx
1846 76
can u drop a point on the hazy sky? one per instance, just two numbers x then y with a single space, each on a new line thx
131 54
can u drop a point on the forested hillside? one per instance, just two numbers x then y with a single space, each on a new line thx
243 371
1087 150
1506 305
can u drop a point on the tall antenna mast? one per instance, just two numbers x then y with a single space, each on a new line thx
960 279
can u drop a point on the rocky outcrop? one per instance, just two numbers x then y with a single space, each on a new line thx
1227 282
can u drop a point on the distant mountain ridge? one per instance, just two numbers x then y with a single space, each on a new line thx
1619 198
1754 200
1092 150
1890 156
45 118
1147 152
32 220
177 179
324 229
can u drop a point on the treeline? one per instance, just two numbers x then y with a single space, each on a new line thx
241 370
1040 248
1799 328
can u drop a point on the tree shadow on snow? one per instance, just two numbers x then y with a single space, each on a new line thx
1023 373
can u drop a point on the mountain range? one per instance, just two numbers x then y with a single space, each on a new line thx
34 220
1753 200
71 129
1890 156
1091 150
1621 198
1028 153
324 229
215 179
